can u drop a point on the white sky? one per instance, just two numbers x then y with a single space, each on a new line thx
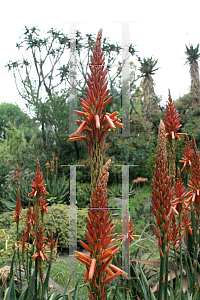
159 29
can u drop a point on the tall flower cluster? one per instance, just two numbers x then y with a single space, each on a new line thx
172 125
194 182
161 192
18 208
96 127
39 191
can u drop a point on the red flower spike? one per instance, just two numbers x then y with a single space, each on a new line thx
187 157
18 208
38 186
194 182
161 188
96 128
23 244
172 121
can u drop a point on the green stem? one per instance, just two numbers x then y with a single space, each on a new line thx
166 275
162 271
36 278
181 259
196 238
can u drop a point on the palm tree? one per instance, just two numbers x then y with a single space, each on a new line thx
192 57
149 97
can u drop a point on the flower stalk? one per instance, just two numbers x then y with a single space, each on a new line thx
172 125
96 126
162 207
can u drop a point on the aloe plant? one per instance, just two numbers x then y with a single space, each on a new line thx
58 190
10 189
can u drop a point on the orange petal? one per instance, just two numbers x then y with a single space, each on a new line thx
110 122
107 280
97 122
91 272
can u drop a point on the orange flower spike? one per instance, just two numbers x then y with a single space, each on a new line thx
172 121
187 157
194 182
96 128
18 208
51 243
161 184
38 186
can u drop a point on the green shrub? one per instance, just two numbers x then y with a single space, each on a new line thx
57 219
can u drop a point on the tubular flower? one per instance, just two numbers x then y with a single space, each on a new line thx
38 185
127 227
96 125
161 191
187 157
18 208
194 183
172 125
99 238
180 194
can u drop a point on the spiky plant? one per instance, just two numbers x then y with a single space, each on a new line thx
148 69
192 58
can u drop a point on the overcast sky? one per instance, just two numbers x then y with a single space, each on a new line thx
157 28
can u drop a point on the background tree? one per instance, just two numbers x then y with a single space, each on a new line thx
15 114
45 76
192 59
150 102
147 70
